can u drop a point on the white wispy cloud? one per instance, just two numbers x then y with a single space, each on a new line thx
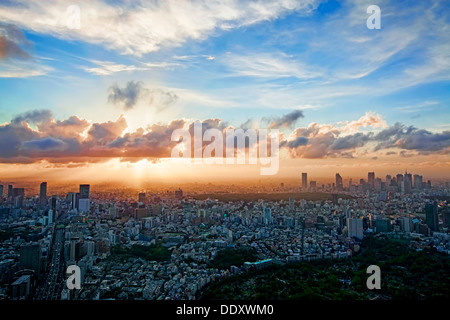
143 27
269 65
104 68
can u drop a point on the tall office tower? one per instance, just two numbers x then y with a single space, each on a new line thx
1 190
304 180
388 180
54 202
267 215
399 178
84 191
18 195
417 181
30 257
141 197
43 194
431 216
446 216
371 179
10 191
355 228
339 185
408 182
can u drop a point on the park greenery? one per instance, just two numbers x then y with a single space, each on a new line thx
156 252
405 275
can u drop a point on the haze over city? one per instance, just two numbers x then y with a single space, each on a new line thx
249 150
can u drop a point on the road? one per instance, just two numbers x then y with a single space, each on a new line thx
51 288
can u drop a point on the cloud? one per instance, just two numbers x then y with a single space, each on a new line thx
161 99
15 60
76 140
11 42
104 68
34 116
127 96
145 27
135 92
45 144
285 121
269 65
411 138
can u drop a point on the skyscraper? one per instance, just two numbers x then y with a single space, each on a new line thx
371 179
304 180
408 182
339 184
141 197
43 194
84 191
417 182
431 216
355 228
1 190
267 215
30 257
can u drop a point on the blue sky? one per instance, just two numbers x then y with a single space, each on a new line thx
232 60
323 60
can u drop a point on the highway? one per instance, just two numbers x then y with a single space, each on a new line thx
51 288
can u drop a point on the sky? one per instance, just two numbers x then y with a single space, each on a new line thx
95 89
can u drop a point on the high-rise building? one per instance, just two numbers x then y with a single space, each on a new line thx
30 257
267 215
85 191
73 198
1 190
10 191
408 182
18 194
431 216
371 179
339 185
388 180
84 205
355 228
304 180
141 197
417 181
43 194
383 225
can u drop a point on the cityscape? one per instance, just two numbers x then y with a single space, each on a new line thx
172 246
224 157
